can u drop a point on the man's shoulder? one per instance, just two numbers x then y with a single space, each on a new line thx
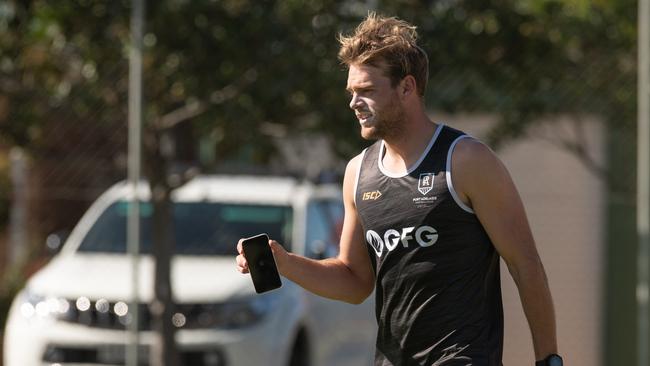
469 150
355 161
474 164
353 164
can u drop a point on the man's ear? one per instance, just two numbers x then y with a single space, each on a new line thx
407 86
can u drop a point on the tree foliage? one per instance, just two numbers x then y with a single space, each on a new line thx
240 71
528 59
245 70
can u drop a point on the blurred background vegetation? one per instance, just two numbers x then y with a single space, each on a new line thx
228 83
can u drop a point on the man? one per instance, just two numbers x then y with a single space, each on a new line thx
428 213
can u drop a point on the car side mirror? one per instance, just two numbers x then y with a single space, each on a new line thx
54 241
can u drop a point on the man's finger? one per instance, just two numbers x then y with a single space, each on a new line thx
242 265
240 247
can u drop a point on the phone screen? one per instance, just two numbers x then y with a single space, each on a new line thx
261 263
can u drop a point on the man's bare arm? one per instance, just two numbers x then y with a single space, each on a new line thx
485 185
349 277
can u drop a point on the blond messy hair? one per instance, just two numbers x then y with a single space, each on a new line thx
387 43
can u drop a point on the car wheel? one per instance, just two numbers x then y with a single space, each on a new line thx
300 351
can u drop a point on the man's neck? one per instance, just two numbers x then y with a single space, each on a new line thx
404 150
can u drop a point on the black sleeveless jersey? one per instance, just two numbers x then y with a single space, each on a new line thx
438 293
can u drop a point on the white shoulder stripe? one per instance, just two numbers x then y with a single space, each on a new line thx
356 179
450 184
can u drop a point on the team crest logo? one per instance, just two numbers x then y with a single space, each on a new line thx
425 183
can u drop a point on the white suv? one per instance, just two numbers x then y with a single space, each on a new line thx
75 310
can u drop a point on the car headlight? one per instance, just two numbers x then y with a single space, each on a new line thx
37 307
235 314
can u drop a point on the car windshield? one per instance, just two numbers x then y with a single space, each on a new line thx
201 228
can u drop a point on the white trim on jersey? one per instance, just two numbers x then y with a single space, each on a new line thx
417 163
450 184
356 180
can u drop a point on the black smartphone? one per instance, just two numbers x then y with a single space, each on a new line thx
261 263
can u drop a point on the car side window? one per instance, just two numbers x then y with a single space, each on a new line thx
324 224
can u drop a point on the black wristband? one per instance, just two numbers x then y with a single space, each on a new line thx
550 360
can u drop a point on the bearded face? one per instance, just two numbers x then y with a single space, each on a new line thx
375 102
387 121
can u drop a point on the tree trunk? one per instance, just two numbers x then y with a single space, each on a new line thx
163 352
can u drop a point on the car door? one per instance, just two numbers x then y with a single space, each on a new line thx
346 332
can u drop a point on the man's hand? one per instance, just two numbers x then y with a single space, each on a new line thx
349 277
279 254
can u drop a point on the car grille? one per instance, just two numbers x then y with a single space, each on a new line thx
115 315
115 355
102 314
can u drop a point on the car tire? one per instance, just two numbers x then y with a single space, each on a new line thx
300 350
